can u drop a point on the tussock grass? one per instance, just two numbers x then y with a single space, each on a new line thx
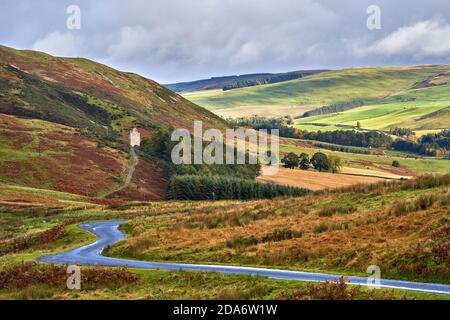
341 231
328 211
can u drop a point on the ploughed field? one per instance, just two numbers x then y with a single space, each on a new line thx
314 180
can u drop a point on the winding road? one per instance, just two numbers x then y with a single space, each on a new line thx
108 234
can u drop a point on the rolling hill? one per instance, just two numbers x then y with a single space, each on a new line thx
64 124
63 147
233 82
420 109
85 94
415 96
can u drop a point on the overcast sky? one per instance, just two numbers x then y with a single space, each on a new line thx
180 40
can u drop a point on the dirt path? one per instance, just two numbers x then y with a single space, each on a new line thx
133 165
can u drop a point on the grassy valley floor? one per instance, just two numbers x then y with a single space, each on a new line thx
402 227
404 230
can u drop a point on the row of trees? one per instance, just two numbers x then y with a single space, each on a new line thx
430 144
344 137
263 79
402 132
319 161
440 139
333 108
160 146
350 138
199 187
257 122
334 147
211 182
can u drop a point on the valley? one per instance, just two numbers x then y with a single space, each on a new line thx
65 161
336 232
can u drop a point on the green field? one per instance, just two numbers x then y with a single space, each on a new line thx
380 162
419 109
321 89
388 95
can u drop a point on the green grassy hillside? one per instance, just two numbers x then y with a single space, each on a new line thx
418 109
405 96
233 82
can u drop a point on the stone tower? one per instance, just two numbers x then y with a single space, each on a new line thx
135 138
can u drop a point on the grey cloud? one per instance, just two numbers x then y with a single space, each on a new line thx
423 39
176 40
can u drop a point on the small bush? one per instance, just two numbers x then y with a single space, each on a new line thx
321 228
281 234
117 179
285 256
239 242
328 211
275 236
400 207
31 273
423 202
22 243
396 164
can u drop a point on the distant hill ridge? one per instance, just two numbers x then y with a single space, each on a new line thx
379 98
239 81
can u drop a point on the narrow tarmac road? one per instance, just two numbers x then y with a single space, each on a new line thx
108 234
